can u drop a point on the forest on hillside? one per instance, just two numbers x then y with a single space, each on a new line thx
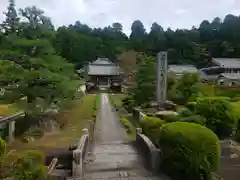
78 43
219 38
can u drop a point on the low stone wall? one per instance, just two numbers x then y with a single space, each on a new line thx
149 151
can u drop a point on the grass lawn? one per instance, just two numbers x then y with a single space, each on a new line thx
76 117
7 110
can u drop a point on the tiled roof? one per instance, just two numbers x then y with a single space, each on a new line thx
227 62
103 70
231 76
182 68
102 61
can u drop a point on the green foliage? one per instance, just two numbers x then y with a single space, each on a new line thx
129 103
11 23
151 127
146 77
186 115
189 150
30 67
214 98
2 150
218 114
29 166
186 89
191 105
193 119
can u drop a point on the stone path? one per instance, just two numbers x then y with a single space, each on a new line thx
113 157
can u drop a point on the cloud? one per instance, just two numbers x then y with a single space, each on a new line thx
100 13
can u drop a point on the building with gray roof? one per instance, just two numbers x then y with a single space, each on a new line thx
225 71
227 62
181 69
103 72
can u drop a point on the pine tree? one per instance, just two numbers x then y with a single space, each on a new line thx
10 25
31 69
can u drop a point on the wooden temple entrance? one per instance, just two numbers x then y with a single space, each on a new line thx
103 73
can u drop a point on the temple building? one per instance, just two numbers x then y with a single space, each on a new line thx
103 73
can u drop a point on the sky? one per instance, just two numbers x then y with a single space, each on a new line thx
100 13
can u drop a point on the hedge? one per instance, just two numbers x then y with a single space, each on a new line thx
151 127
189 151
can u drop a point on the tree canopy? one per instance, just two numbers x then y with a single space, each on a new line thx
30 68
39 55
219 38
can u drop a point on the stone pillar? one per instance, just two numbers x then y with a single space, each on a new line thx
77 164
161 84
139 130
85 131
11 130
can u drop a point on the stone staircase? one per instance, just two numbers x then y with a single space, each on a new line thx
115 161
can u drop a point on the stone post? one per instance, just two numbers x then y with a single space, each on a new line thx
139 130
11 130
77 164
161 84
85 131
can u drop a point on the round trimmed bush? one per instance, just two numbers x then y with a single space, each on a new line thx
151 127
189 151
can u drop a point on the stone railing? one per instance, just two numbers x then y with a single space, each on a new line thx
137 114
80 154
10 120
52 166
150 152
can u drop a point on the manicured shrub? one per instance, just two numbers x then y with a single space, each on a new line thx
151 127
214 98
185 112
169 119
194 119
30 166
127 124
191 106
218 114
189 151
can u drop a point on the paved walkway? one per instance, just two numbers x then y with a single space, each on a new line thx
114 158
